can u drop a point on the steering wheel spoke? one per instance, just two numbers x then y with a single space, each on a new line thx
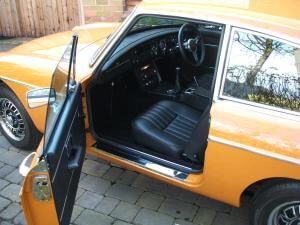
190 40
195 55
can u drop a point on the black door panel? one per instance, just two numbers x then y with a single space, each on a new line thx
65 154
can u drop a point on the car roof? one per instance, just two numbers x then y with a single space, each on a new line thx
278 17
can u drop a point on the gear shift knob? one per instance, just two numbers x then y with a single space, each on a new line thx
178 81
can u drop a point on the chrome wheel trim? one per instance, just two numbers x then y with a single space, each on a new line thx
11 120
285 214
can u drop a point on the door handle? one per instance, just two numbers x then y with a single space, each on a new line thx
74 154
75 158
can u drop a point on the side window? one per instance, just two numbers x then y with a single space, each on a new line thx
264 71
60 79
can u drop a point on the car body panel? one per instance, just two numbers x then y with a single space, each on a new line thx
35 211
252 15
32 64
240 151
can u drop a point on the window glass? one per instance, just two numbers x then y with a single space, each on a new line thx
151 21
264 71
59 83
148 22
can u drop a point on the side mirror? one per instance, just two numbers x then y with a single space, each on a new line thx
40 97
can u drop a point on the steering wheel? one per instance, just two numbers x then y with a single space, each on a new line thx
191 44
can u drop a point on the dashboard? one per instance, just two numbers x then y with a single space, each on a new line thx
141 49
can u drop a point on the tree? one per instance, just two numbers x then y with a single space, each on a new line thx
262 46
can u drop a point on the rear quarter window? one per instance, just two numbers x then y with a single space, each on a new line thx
263 70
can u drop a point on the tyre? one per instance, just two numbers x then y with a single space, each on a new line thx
277 205
15 124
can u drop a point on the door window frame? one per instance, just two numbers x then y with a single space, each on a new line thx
71 71
221 75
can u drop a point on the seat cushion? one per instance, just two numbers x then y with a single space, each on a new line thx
166 127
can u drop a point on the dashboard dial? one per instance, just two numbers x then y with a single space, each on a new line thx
163 45
154 49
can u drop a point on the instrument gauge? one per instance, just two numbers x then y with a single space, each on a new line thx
163 45
154 49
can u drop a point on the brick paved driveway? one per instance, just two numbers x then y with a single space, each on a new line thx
108 194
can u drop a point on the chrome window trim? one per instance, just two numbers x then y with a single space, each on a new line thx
261 152
220 89
222 60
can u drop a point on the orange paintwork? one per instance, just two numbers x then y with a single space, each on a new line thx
36 211
31 65
258 145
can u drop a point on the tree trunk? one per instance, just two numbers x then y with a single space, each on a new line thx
251 75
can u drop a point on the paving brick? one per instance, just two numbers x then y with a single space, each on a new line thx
3 183
94 168
188 196
127 177
113 173
107 205
150 217
89 217
76 212
150 200
149 184
3 149
89 200
3 203
95 184
95 158
225 219
4 143
124 193
5 170
212 204
119 222
171 191
14 177
20 219
11 158
125 211
80 191
6 223
11 211
23 152
14 149
183 222
11 192
205 216
178 209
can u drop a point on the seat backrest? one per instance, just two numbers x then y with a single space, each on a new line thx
195 149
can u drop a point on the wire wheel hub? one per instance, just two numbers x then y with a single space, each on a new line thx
11 120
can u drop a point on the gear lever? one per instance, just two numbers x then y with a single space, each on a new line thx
178 81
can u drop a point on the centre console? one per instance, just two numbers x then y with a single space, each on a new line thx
150 81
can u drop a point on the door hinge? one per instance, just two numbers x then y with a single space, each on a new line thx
41 188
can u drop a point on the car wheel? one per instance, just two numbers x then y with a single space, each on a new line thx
277 205
15 124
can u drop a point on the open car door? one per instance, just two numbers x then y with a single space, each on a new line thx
50 187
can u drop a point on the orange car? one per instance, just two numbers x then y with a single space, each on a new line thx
201 96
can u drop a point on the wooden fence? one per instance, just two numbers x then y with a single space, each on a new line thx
34 18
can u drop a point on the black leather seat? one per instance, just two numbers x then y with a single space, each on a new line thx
169 127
